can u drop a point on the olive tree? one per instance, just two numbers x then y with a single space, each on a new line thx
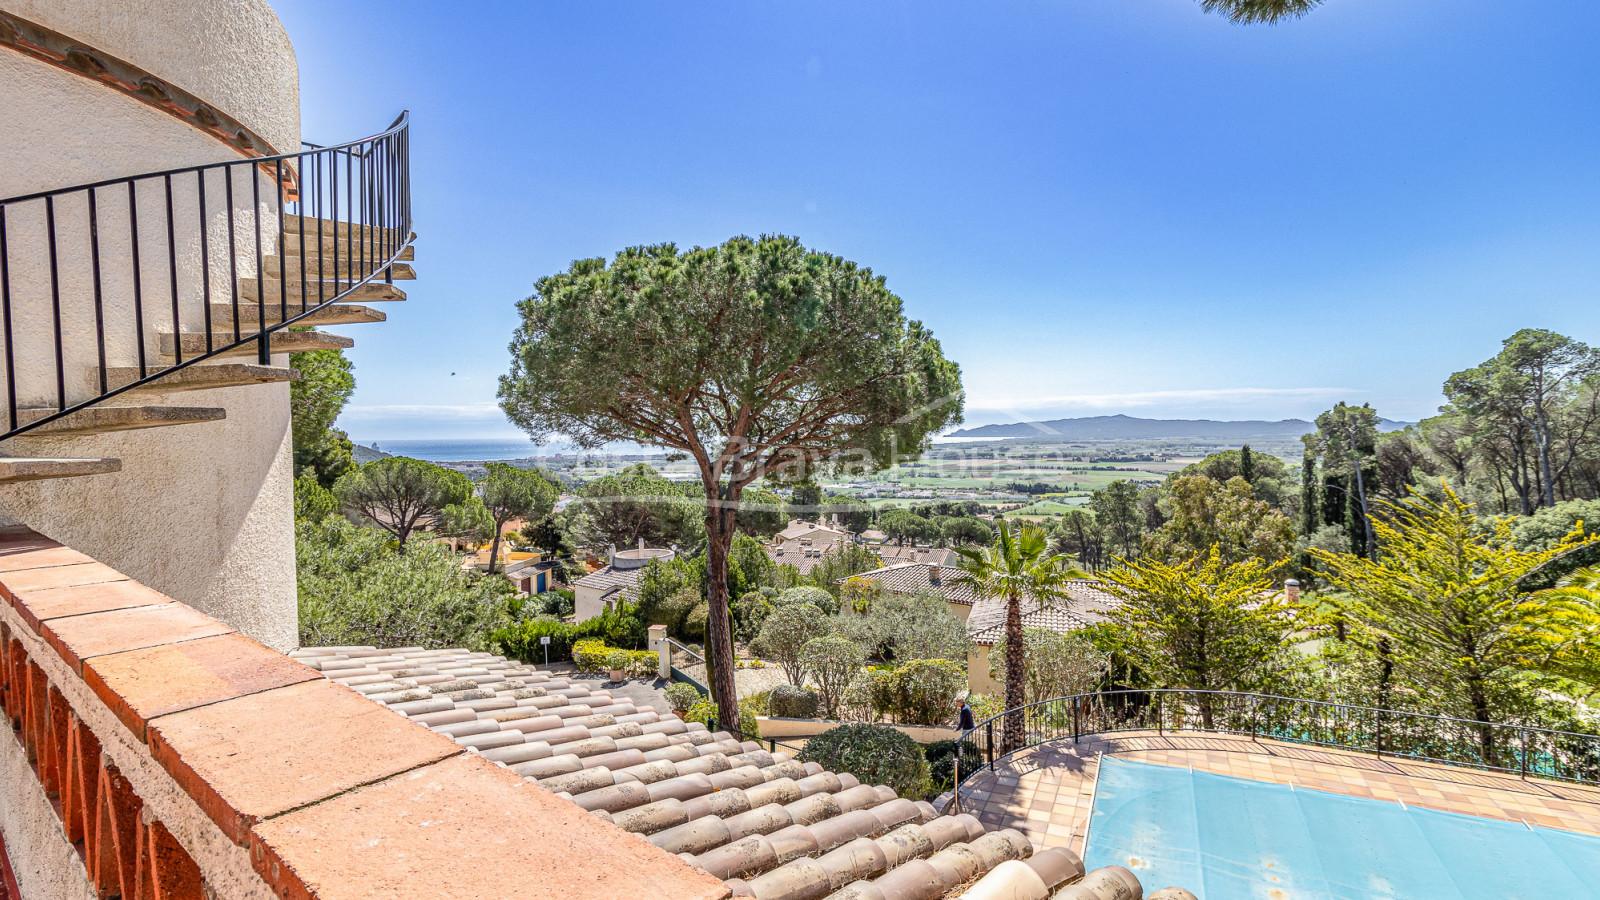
785 634
832 661
758 358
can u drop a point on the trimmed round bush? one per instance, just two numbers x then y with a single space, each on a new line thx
815 596
876 754
682 695
791 702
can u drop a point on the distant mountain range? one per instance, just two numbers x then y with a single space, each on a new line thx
1128 428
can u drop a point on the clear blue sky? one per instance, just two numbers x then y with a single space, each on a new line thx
1109 206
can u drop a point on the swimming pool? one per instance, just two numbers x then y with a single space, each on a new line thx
1228 838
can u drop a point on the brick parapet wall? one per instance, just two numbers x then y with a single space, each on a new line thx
174 758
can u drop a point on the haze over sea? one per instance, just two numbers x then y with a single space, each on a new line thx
461 449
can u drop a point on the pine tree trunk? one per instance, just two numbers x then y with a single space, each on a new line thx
1016 656
719 627
494 549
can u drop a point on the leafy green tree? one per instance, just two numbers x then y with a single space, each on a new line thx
1017 566
805 501
1547 528
1527 389
1445 597
315 401
312 501
633 505
899 627
1346 441
756 358
966 530
902 525
854 515
510 493
924 691
1207 515
548 536
761 514
1200 622
1055 665
400 494
356 589
1563 629
832 662
787 630
841 562
1116 510
1078 535
468 520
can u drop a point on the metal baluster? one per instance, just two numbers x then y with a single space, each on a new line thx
138 281
55 302
205 262
172 271
99 300
233 254
263 334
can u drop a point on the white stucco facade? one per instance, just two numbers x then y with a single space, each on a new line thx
201 512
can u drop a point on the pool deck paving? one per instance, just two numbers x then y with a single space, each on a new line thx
1047 791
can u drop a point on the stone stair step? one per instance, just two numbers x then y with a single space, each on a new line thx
17 468
291 249
201 377
371 292
282 342
330 314
97 419
293 224
274 266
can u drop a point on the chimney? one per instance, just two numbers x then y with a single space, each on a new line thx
641 543
1291 591
933 574
611 554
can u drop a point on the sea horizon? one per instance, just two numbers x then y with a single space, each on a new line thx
490 449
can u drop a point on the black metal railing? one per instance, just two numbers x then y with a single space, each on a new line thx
691 659
100 282
1517 749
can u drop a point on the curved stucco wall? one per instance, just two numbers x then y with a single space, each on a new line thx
233 54
202 513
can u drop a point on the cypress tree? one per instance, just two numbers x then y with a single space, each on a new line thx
1308 493
1247 464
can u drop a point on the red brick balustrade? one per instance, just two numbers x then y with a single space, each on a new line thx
183 760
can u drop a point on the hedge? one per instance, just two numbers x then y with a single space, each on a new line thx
521 641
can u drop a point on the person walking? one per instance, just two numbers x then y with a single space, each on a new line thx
965 712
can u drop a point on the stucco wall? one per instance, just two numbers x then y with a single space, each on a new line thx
978 679
233 54
203 513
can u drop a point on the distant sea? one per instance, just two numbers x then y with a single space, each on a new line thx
445 450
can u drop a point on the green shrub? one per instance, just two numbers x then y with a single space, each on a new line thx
619 661
682 695
815 596
942 763
704 711
521 641
590 654
876 754
832 661
791 702
924 691
869 696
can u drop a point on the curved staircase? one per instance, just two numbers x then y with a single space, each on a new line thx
116 294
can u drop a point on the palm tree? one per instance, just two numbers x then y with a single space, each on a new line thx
1019 564
1251 12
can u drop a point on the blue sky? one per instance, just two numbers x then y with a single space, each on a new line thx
1110 206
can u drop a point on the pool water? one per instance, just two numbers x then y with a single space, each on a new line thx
1230 838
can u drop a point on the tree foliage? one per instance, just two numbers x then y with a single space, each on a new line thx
1056 665
1253 12
633 505
400 495
1563 629
1200 622
786 632
507 493
1205 514
315 401
831 661
895 627
756 358
1444 598
1117 513
355 589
